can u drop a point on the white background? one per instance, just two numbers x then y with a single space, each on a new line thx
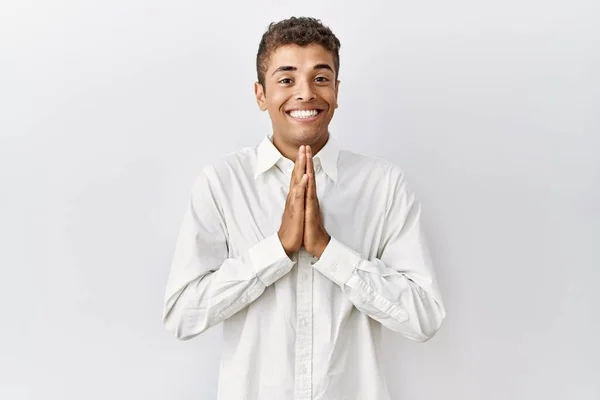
109 110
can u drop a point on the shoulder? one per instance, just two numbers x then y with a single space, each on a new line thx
226 168
362 164
378 176
214 181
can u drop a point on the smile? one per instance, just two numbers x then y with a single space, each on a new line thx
304 115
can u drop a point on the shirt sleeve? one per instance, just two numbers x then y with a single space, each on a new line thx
205 286
398 288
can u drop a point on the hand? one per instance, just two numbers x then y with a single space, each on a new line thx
292 222
316 237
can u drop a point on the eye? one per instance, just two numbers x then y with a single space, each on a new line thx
285 81
322 79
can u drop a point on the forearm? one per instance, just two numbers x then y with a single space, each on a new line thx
397 303
213 296
208 300
407 302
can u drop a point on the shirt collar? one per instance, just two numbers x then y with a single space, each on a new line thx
268 155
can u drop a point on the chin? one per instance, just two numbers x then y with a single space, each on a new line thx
308 137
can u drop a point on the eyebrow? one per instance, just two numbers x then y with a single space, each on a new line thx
291 68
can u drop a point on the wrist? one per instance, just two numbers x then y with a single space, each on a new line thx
286 247
320 249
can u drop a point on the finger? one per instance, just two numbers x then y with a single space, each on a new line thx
302 162
311 173
299 165
311 195
310 167
300 193
311 190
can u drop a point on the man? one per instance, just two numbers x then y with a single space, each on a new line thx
303 250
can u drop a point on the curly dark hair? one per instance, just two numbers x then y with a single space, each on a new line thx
301 31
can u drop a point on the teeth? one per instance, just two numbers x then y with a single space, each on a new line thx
303 113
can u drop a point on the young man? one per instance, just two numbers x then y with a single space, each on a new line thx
303 250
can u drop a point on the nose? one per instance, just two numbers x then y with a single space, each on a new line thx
304 91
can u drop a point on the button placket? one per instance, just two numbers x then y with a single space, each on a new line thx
304 326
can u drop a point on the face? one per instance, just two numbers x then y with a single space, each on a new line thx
300 94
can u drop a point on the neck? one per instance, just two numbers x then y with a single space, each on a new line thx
290 149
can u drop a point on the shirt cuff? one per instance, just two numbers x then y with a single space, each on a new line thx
338 262
269 260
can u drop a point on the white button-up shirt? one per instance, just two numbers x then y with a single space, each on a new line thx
300 327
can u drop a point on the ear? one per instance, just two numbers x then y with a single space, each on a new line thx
259 92
337 87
